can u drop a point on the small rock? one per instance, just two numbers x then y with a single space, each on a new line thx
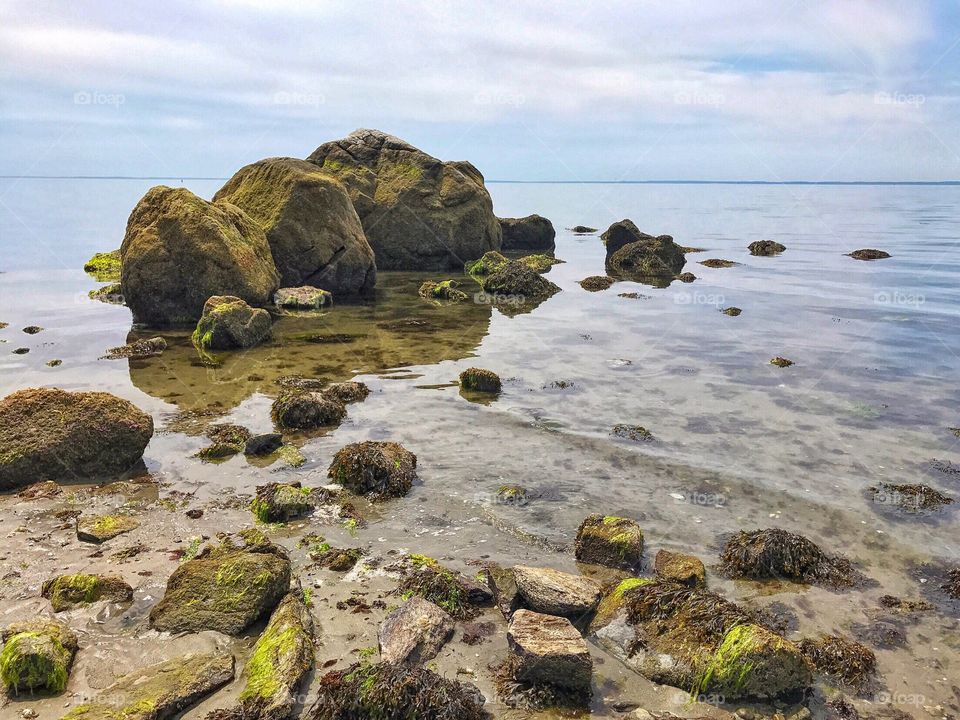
301 410
479 380
444 290
228 323
279 502
347 392
548 650
137 349
637 433
732 311
264 444
680 568
54 363
609 540
100 528
781 362
582 229
194 513
380 469
869 254
104 266
32 329
414 633
595 283
556 593
765 247
304 297
69 591
21 351
718 263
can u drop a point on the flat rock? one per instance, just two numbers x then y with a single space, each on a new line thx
548 650
556 593
414 633
68 591
304 297
100 528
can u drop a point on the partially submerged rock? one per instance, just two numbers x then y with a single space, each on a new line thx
480 380
781 362
680 568
718 263
869 254
455 593
159 692
304 297
137 350
264 444
595 283
582 229
765 247
347 392
517 280
111 294
224 588
281 502
532 232
37 656
608 540
303 410
549 591
68 591
379 469
229 323
488 264
414 633
622 233
417 212
104 266
180 250
637 433
443 290
540 263
52 434
848 662
100 528
909 497
314 232
732 311
547 654
643 258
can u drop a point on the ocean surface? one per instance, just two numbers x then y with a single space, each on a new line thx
737 442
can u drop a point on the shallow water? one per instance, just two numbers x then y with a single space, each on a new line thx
738 442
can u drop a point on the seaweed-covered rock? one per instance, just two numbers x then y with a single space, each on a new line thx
488 264
224 588
869 254
380 469
264 444
104 266
228 323
443 290
909 497
848 662
532 232
111 294
37 655
503 587
52 434
636 433
607 540
717 263
680 568
68 591
777 554
480 380
546 650
650 259
306 410
753 662
539 262
582 229
549 591
781 362
622 233
179 250
455 593
159 692
305 297
414 633
137 350
313 230
100 528
280 502
516 279
596 283
347 392
613 600
417 212
391 692
765 247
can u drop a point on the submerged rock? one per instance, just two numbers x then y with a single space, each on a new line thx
909 497
180 250
486 265
229 323
302 410
548 654
37 656
58 435
379 469
595 283
480 380
111 294
104 266
138 349
347 392
224 588
304 297
314 233
637 433
414 633
680 568
540 263
279 502
100 528
869 254
765 247
159 692
650 259
582 229
553 592
68 591
849 663
417 212
532 232
444 290
516 279
607 540
781 362
718 263
260 445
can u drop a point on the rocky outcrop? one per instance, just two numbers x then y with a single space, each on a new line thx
680 568
229 323
303 410
310 222
608 540
377 469
516 279
530 233
37 656
548 651
179 250
549 591
51 434
69 591
414 633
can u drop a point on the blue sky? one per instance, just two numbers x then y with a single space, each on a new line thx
769 90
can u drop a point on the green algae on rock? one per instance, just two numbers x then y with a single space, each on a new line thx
280 502
596 283
229 323
680 568
607 540
457 594
302 410
100 528
515 279
37 656
613 600
111 294
104 266
486 265
304 297
480 380
651 260
869 254
68 591
540 263
377 469
58 435
443 290
637 433
781 362
533 232
138 349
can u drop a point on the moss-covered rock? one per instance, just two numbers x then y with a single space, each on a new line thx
540 263
159 692
228 323
100 528
486 265
680 568
753 662
304 297
104 266
58 435
111 294
314 233
179 250
137 350
517 280
613 600
443 290
378 469
480 380
347 392
456 594
225 588
781 362
765 247
303 410
417 212
37 656
533 232
869 254
280 502
642 257
849 663
596 283
68 591
608 540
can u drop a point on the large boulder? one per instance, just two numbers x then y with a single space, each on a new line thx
229 323
533 232
52 434
556 593
622 232
418 212
313 230
37 655
414 633
179 250
657 260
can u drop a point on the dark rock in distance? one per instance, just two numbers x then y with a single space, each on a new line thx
533 232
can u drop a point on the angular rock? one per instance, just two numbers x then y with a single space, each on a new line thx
503 586
548 650
417 212
607 540
765 247
414 633
680 568
518 280
480 380
229 323
180 250
225 588
51 434
279 502
753 662
304 297
264 444
68 591
532 232
380 469
306 410
556 593
37 656
310 222
100 528
159 692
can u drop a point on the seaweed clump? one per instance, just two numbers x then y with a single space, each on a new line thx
910 497
849 662
428 579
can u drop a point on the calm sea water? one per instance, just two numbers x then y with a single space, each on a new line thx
738 442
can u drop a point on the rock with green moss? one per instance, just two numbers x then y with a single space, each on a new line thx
455 593
549 657
159 692
315 235
137 350
37 656
414 633
540 263
58 435
229 323
280 502
480 380
596 283
781 362
347 392
613 601
533 232
869 254
765 247
608 540
180 250
111 294
680 568
225 588
418 213
304 410
549 591
377 469
517 280
104 266
68 591
100 528
304 297
443 290
651 260
488 264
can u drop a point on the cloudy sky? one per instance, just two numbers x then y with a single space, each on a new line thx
541 89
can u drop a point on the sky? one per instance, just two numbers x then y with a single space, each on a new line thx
526 90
